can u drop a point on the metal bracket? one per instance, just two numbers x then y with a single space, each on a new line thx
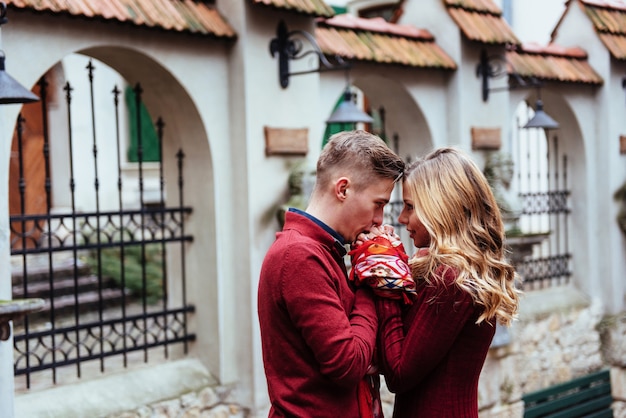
289 46
489 67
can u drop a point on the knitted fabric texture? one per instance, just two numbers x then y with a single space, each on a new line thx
382 264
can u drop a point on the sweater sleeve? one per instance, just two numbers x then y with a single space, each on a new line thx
341 342
441 312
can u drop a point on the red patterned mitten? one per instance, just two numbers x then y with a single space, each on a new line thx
382 264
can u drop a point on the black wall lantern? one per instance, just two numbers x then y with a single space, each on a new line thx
347 112
289 46
541 119
494 67
11 91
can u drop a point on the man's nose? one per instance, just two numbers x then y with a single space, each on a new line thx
378 218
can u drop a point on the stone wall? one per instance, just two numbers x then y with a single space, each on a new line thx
613 335
181 389
554 340
210 402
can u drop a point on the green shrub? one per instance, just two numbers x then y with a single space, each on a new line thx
111 265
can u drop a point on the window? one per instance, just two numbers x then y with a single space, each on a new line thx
391 12
149 137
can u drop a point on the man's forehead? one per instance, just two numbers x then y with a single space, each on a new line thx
381 186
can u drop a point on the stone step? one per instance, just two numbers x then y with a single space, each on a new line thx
67 305
41 289
39 268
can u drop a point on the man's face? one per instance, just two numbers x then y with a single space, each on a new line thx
363 209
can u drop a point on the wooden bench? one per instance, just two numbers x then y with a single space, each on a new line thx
587 396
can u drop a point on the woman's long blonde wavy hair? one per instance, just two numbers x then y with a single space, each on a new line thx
457 207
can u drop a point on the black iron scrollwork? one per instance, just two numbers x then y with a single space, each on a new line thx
490 67
3 13
290 46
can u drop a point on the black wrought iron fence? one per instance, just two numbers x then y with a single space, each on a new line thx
108 277
542 178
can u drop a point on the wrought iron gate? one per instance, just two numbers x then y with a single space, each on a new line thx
70 259
541 174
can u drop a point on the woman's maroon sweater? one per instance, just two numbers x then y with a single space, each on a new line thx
432 353
318 335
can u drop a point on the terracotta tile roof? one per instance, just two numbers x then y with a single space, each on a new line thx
481 21
375 40
551 63
609 20
317 8
188 16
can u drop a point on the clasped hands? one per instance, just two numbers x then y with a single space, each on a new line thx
387 231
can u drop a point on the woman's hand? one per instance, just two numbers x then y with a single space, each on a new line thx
390 232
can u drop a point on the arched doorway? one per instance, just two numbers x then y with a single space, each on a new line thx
545 163
106 243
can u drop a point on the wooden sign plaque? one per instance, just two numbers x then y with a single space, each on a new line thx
285 141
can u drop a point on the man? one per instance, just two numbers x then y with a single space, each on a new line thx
318 332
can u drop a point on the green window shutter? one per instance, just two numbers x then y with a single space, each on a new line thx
378 127
149 137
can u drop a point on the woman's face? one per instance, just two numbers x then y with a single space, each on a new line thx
408 217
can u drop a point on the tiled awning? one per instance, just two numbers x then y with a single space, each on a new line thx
609 20
481 21
551 63
188 16
317 8
375 40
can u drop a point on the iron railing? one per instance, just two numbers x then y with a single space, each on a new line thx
88 316
542 177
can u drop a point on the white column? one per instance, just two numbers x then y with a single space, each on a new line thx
6 347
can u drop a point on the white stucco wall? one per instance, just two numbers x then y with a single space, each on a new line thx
533 20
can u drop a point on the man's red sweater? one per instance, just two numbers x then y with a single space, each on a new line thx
318 335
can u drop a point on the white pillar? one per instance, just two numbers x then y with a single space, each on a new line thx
6 347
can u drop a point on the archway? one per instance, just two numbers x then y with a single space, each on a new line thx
97 200
549 167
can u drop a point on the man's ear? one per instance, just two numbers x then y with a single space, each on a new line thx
341 188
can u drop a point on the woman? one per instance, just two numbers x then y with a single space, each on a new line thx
433 349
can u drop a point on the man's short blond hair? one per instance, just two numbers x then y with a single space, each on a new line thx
362 156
